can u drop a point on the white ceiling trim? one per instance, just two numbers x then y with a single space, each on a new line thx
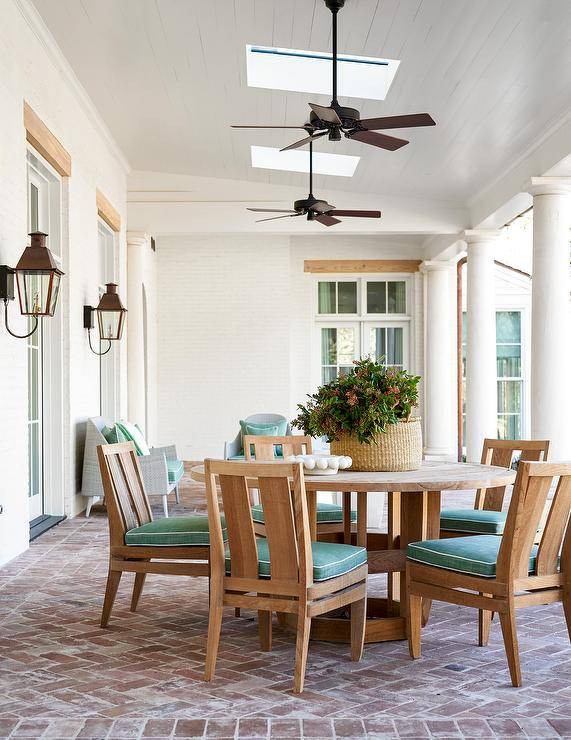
46 39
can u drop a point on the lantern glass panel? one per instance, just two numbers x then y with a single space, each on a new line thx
110 324
34 292
55 293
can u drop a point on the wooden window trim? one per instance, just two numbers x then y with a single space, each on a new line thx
45 143
106 212
360 266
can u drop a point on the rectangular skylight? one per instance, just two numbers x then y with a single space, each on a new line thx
310 71
297 160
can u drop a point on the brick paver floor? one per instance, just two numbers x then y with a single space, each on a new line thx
61 676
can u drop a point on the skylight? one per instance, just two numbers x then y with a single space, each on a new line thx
297 160
310 71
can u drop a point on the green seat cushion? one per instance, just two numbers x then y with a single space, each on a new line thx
477 555
175 469
113 434
178 530
134 434
325 513
475 521
329 559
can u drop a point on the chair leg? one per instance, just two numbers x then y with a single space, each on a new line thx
414 624
90 501
301 648
176 495
426 607
237 611
484 625
358 621
214 626
509 631
137 590
166 505
265 630
113 579
567 609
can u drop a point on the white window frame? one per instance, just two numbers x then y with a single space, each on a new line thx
363 319
38 170
108 363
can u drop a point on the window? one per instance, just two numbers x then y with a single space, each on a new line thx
362 317
509 374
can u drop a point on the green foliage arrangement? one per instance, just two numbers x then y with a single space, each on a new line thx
362 402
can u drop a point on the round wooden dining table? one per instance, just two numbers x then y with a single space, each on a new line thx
414 499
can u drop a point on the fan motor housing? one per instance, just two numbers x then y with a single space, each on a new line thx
307 203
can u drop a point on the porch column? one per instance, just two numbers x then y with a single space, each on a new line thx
550 319
439 380
137 243
481 376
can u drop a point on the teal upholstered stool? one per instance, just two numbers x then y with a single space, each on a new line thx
329 559
180 530
325 513
476 555
473 521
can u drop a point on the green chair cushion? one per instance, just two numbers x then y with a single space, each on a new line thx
474 521
133 434
178 530
477 555
329 559
175 469
264 429
113 435
325 513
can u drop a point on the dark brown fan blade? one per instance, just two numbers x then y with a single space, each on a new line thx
385 122
381 140
302 142
326 219
359 214
271 210
274 218
325 114
256 126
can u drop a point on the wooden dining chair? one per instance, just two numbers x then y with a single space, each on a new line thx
487 516
330 517
501 574
137 543
284 571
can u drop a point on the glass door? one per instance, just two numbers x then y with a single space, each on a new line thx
37 215
107 362
387 343
339 346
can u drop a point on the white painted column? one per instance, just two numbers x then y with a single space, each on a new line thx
550 323
440 369
481 375
137 244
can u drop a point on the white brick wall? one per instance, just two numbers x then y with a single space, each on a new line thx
32 69
235 329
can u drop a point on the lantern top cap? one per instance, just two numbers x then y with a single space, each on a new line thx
111 287
37 257
110 300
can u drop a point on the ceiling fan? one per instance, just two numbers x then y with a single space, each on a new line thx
335 119
314 209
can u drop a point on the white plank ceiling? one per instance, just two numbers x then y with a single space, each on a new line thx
168 77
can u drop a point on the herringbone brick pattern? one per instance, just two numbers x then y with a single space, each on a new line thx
61 676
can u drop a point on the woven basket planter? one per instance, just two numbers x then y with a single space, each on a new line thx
397 449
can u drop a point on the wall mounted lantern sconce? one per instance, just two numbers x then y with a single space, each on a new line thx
38 281
110 318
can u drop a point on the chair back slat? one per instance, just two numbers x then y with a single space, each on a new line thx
264 447
533 483
241 536
127 503
501 453
554 530
282 493
279 521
